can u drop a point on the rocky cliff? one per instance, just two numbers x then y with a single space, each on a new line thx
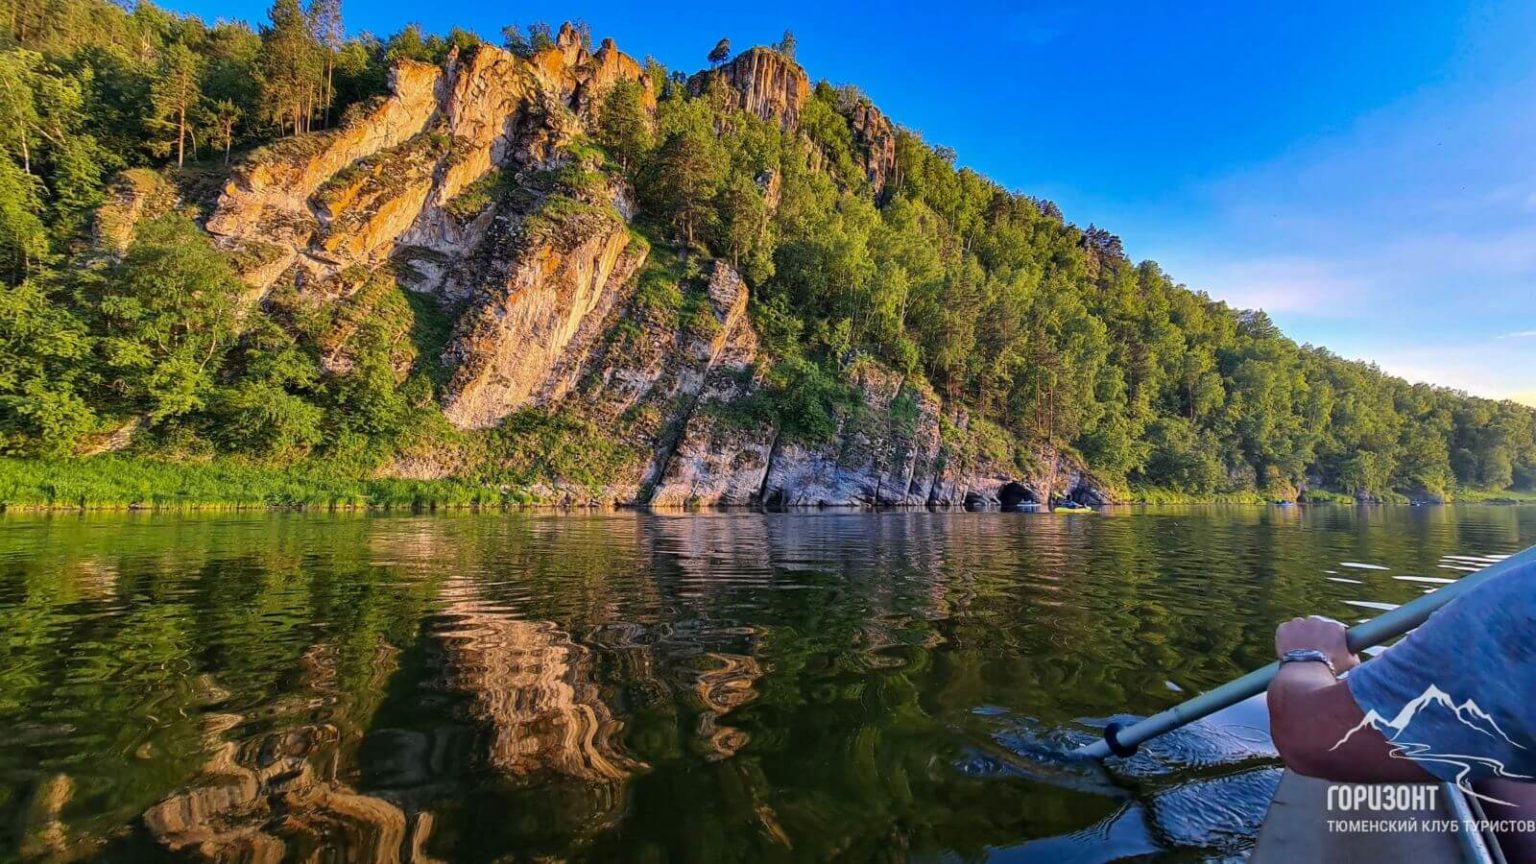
470 185
874 138
308 207
522 322
770 85
765 83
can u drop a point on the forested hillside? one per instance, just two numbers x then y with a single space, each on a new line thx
544 270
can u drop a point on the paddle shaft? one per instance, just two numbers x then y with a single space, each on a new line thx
1361 636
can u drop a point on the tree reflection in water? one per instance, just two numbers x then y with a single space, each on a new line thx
649 687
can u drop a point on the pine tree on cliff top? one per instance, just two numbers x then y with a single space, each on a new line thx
786 45
721 51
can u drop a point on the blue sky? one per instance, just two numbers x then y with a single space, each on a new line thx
1364 171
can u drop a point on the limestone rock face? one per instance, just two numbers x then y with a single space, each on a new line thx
883 455
888 452
265 214
365 210
650 377
355 195
719 459
135 195
767 84
776 88
392 187
726 452
519 325
874 138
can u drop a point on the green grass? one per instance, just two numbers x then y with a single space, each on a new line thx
1503 496
115 482
659 292
1143 495
531 449
474 198
534 446
1146 495
1323 496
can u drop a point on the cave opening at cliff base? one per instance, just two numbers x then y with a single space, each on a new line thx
1015 495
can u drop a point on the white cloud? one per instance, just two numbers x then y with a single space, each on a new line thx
1407 239
1279 285
1485 368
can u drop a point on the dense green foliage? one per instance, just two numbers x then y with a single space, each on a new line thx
1049 330
1045 334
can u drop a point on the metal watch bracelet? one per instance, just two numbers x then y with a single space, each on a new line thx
1307 655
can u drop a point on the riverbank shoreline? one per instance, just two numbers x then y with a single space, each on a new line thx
114 483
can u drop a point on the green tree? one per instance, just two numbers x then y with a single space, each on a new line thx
73 162
720 52
232 56
743 221
23 237
539 37
225 115
786 45
330 33
513 40
44 351
686 174
291 68
360 72
18 110
164 315
263 418
623 127
177 100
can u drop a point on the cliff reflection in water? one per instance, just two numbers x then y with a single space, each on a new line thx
523 707
640 687
278 796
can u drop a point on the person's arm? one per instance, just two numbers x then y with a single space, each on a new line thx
1311 711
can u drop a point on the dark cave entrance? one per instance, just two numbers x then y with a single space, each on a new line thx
1015 495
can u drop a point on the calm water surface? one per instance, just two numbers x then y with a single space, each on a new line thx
634 687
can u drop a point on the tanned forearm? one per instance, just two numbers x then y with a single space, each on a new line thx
1310 712
1293 714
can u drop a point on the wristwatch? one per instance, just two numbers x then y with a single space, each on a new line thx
1307 655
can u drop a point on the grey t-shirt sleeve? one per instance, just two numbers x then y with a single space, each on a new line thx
1456 694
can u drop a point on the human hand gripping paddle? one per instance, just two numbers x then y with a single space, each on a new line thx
1122 740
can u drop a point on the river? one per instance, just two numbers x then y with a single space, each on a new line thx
646 687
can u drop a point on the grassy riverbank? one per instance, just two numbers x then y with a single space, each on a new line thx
1311 496
1323 496
118 483
1170 496
113 482
1508 496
